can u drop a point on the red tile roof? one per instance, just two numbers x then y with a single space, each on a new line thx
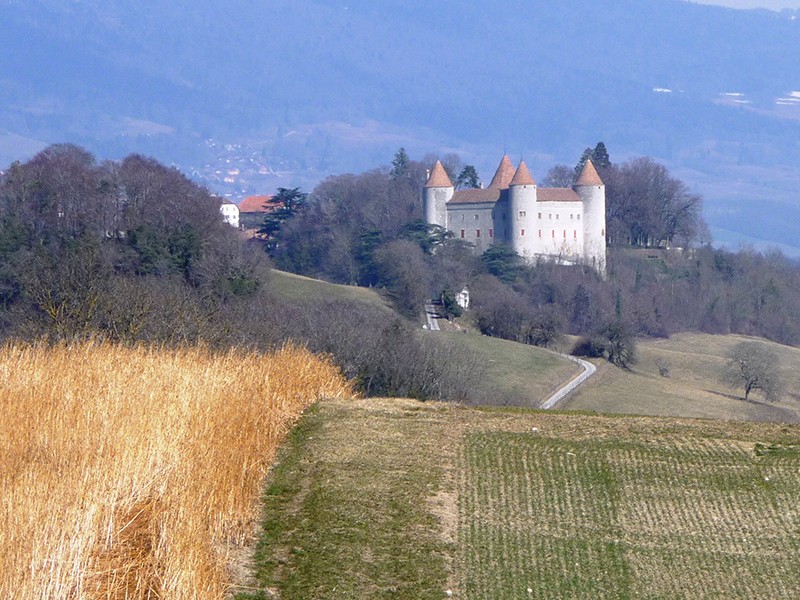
438 177
589 175
475 196
256 204
504 175
522 176
557 195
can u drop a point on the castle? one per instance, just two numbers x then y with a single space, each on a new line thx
567 225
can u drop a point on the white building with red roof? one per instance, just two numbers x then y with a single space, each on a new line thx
567 225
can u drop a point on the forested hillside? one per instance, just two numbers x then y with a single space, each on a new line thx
133 252
367 230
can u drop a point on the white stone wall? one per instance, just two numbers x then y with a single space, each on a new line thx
560 230
473 223
594 208
230 214
522 209
434 202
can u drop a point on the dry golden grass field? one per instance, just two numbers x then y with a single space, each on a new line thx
136 473
400 499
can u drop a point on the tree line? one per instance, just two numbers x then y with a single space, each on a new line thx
134 252
663 275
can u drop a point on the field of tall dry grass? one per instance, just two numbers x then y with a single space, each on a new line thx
133 472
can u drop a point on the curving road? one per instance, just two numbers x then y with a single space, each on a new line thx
588 370
432 317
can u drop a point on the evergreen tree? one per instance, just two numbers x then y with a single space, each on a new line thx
587 154
450 305
289 203
502 262
400 164
468 178
600 157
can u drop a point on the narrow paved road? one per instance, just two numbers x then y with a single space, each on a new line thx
432 316
588 371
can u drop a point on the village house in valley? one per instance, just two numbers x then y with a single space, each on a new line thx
253 209
567 225
230 213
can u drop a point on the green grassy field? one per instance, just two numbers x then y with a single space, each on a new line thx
399 499
693 388
517 374
526 375
297 287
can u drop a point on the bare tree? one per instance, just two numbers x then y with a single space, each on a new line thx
649 207
754 366
560 176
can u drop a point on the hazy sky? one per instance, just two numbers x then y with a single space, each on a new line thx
773 4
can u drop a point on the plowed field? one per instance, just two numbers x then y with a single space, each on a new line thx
399 499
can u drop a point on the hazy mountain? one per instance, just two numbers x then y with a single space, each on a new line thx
291 91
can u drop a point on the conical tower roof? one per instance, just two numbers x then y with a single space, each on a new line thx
504 175
589 175
438 177
522 176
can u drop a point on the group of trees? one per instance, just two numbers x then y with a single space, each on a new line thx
646 207
133 251
366 229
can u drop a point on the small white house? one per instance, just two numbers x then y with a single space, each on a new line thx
230 213
462 299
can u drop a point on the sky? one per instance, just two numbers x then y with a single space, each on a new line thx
771 4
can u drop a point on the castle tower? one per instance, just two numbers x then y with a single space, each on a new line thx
522 211
504 174
592 191
437 193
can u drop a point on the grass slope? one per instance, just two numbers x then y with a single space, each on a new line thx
346 509
693 388
398 499
297 287
520 375
517 374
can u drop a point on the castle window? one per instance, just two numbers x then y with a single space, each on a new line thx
522 233
540 216
556 216
602 232
462 218
575 235
565 234
491 232
477 233
476 217
579 217
550 216
462 234
522 213
553 232
571 216
540 234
